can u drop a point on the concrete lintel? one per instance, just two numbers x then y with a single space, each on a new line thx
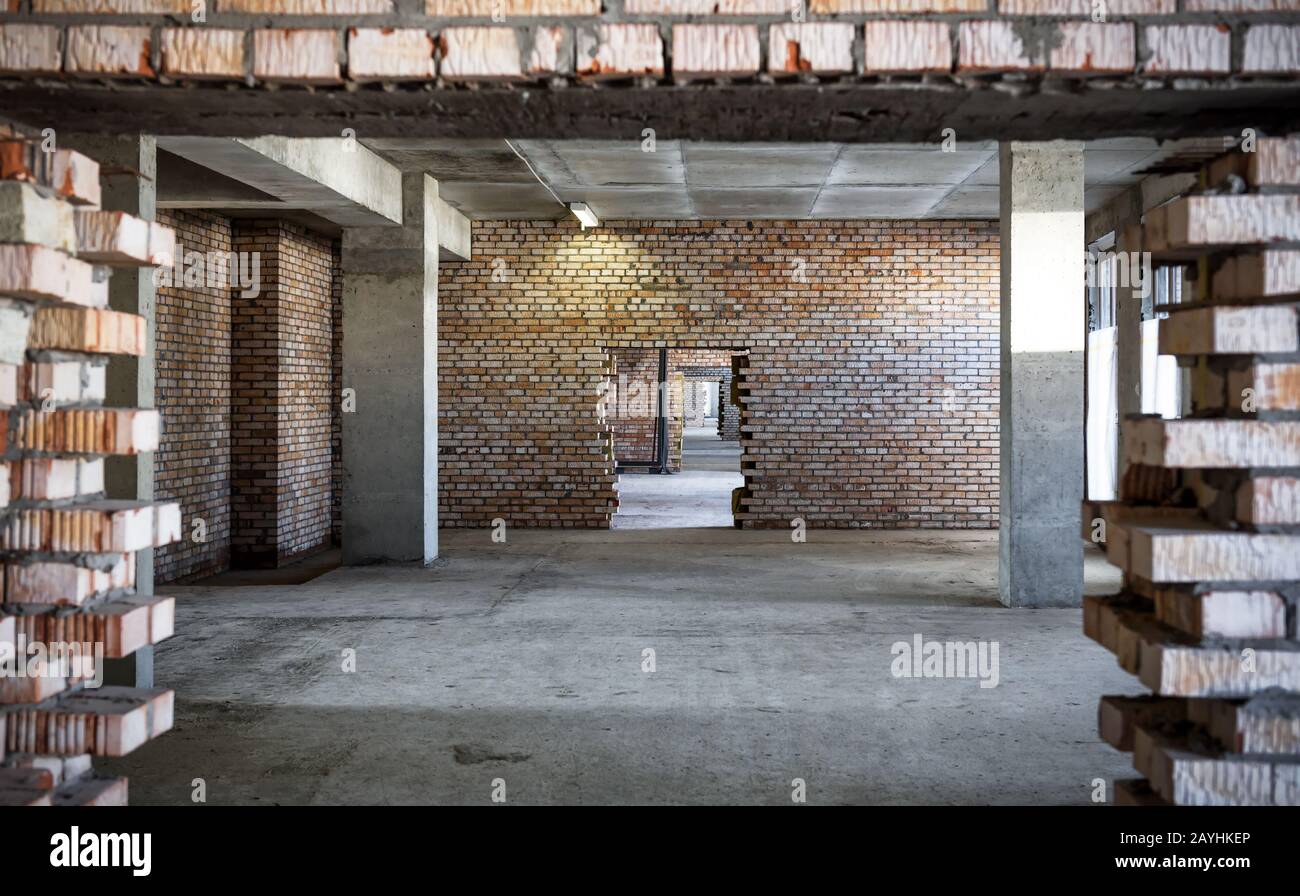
336 178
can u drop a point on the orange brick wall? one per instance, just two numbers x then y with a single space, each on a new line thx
192 465
873 377
248 387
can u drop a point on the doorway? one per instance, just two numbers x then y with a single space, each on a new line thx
676 438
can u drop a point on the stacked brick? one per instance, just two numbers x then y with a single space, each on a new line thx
323 44
858 332
1207 528
67 555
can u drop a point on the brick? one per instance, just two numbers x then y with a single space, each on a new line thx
1257 275
840 7
1271 49
1261 725
28 216
992 47
15 321
114 7
907 47
92 790
62 382
30 49
8 389
475 53
66 584
706 7
86 430
551 52
108 721
308 7
309 56
61 768
1196 225
1241 6
97 330
114 238
54 478
203 53
1094 47
1274 163
100 527
821 47
109 50
620 50
41 274
1212 443
715 50
1230 331
1183 668
1195 777
390 54
1114 8
1269 500
1188 49
122 625
1222 613
502 10
69 174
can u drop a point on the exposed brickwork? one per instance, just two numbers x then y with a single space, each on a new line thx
527 40
192 465
874 383
283 404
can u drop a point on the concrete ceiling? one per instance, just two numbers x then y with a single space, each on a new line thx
698 180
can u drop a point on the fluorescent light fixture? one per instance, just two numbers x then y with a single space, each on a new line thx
584 214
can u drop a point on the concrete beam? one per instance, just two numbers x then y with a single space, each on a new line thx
336 178
390 361
873 112
1042 374
455 233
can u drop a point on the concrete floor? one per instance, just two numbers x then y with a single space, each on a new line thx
697 496
523 662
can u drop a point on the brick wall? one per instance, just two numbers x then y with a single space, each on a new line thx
248 382
634 404
192 465
305 291
278 41
873 378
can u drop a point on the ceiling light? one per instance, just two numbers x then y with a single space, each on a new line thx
584 214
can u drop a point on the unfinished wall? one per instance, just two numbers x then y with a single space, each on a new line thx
247 383
193 394
873 364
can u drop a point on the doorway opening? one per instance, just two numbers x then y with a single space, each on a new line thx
676 435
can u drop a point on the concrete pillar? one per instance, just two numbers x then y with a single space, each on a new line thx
1128 335
129 179
390 360
1042 376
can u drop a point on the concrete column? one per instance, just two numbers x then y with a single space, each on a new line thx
1042 376
1128 336
129 178
390 360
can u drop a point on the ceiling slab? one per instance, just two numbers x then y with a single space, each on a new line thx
758 165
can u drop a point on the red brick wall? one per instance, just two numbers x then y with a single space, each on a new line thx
248 387
255 383
305 293
192 464
874 377
634 403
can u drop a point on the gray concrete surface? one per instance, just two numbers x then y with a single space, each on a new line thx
390 360
698 495
1042 373
523 662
